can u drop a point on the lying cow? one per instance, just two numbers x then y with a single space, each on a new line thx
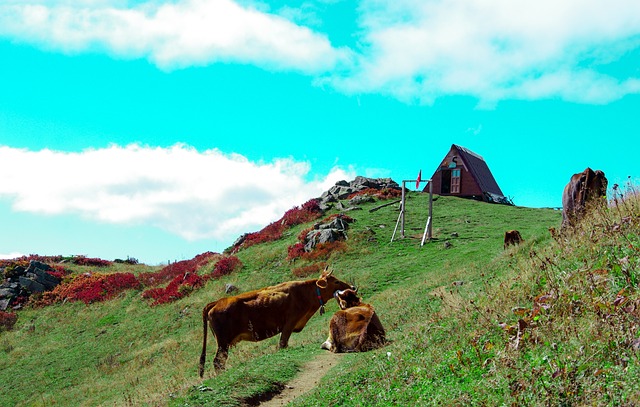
261 314
356 328
583 188
512 237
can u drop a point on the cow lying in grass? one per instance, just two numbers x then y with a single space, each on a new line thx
261 314
356 328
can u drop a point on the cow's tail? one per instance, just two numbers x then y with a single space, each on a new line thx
205 319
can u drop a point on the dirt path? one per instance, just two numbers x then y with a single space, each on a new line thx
306 380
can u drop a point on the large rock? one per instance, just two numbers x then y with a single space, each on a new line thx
315 237
331 231
33 279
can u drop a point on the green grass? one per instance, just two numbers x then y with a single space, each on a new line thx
449 344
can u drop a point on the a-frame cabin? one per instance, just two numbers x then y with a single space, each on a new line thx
465 174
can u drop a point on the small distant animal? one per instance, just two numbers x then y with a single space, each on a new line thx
356 327
582 189
512 237
260 314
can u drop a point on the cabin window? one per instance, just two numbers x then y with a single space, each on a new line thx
455 181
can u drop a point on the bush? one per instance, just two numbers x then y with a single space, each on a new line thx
176 269
226 265
385 193
7 320
90 288
309 270
188 280
179 287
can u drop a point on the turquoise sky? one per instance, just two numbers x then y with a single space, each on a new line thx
162 129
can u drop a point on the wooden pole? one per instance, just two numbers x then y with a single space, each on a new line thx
428 227
400 221
402 208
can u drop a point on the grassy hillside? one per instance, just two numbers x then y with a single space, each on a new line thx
549 322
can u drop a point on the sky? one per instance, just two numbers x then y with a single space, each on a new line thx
163 129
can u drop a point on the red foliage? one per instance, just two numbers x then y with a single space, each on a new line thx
176 269
90 261
7 320
324 250
90 288
385 193
179 287
295 251
183 284
321 251
309 270
226 265
309 211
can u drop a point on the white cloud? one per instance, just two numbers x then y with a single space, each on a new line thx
189 193
496 49
171 34
13 255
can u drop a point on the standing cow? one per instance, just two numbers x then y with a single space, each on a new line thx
583 188
356 328
261 314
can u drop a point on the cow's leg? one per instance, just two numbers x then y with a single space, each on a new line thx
221 357
284 338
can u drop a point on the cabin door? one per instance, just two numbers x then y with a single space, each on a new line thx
445 187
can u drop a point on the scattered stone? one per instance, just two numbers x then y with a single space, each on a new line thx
447 244
230 288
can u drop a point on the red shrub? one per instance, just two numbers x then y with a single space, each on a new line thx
90 288
179 287
309 270
226 265
295 251
90 261
324 250
174 270
385 193
7 320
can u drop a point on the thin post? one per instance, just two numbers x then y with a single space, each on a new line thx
428 227
396 228
430 233
402 209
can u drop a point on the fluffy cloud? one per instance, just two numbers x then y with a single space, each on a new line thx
171 34
414 50
192 194
497 49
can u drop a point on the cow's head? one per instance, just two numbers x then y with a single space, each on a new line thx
347 298
329 283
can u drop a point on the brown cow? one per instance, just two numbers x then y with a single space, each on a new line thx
512 237
261 314
356 328
583 188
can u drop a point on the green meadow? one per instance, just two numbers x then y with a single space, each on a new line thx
553 321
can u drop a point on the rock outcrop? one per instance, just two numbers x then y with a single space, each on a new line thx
22 282
344 189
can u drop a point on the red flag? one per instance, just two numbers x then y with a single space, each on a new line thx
419 179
